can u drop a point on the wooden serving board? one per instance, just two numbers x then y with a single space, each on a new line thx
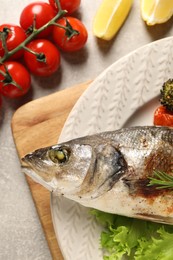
38 124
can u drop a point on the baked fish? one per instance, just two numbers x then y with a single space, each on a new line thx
110 171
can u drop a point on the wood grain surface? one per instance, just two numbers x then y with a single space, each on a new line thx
38 124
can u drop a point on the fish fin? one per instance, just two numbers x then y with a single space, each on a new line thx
155 218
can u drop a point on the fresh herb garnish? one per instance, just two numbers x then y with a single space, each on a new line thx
162 180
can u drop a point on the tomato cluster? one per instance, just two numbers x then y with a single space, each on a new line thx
26 50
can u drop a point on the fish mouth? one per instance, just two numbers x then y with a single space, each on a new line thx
24 162
31 173
36 165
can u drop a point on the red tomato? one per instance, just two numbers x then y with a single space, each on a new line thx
42 12
69 5
162 117
0 102
50 54
19 75
65 40
14 36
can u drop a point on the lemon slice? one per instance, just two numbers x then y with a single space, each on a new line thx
156 11
110 17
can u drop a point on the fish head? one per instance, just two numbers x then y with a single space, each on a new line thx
60 168
80 169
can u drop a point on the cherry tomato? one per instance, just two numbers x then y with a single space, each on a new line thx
163 117
65 40
49 60
14 35
69 5
42 13
0 102
19 75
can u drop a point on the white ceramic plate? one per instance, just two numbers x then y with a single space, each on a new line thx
125 94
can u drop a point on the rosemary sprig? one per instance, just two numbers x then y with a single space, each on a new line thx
162 180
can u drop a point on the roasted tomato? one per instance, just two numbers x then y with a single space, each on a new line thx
163 117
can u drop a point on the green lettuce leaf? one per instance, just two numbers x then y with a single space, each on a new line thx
134 239
158 248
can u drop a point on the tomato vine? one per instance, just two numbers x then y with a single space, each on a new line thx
35 32
28 46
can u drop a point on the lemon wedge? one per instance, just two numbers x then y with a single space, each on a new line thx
109 17
156 11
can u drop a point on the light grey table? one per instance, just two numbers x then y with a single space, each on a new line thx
21 235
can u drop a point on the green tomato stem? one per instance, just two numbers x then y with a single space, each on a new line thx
3 36
58 5
8 79
4 73
40 56
8 54
70 32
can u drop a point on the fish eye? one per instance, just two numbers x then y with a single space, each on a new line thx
59 155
